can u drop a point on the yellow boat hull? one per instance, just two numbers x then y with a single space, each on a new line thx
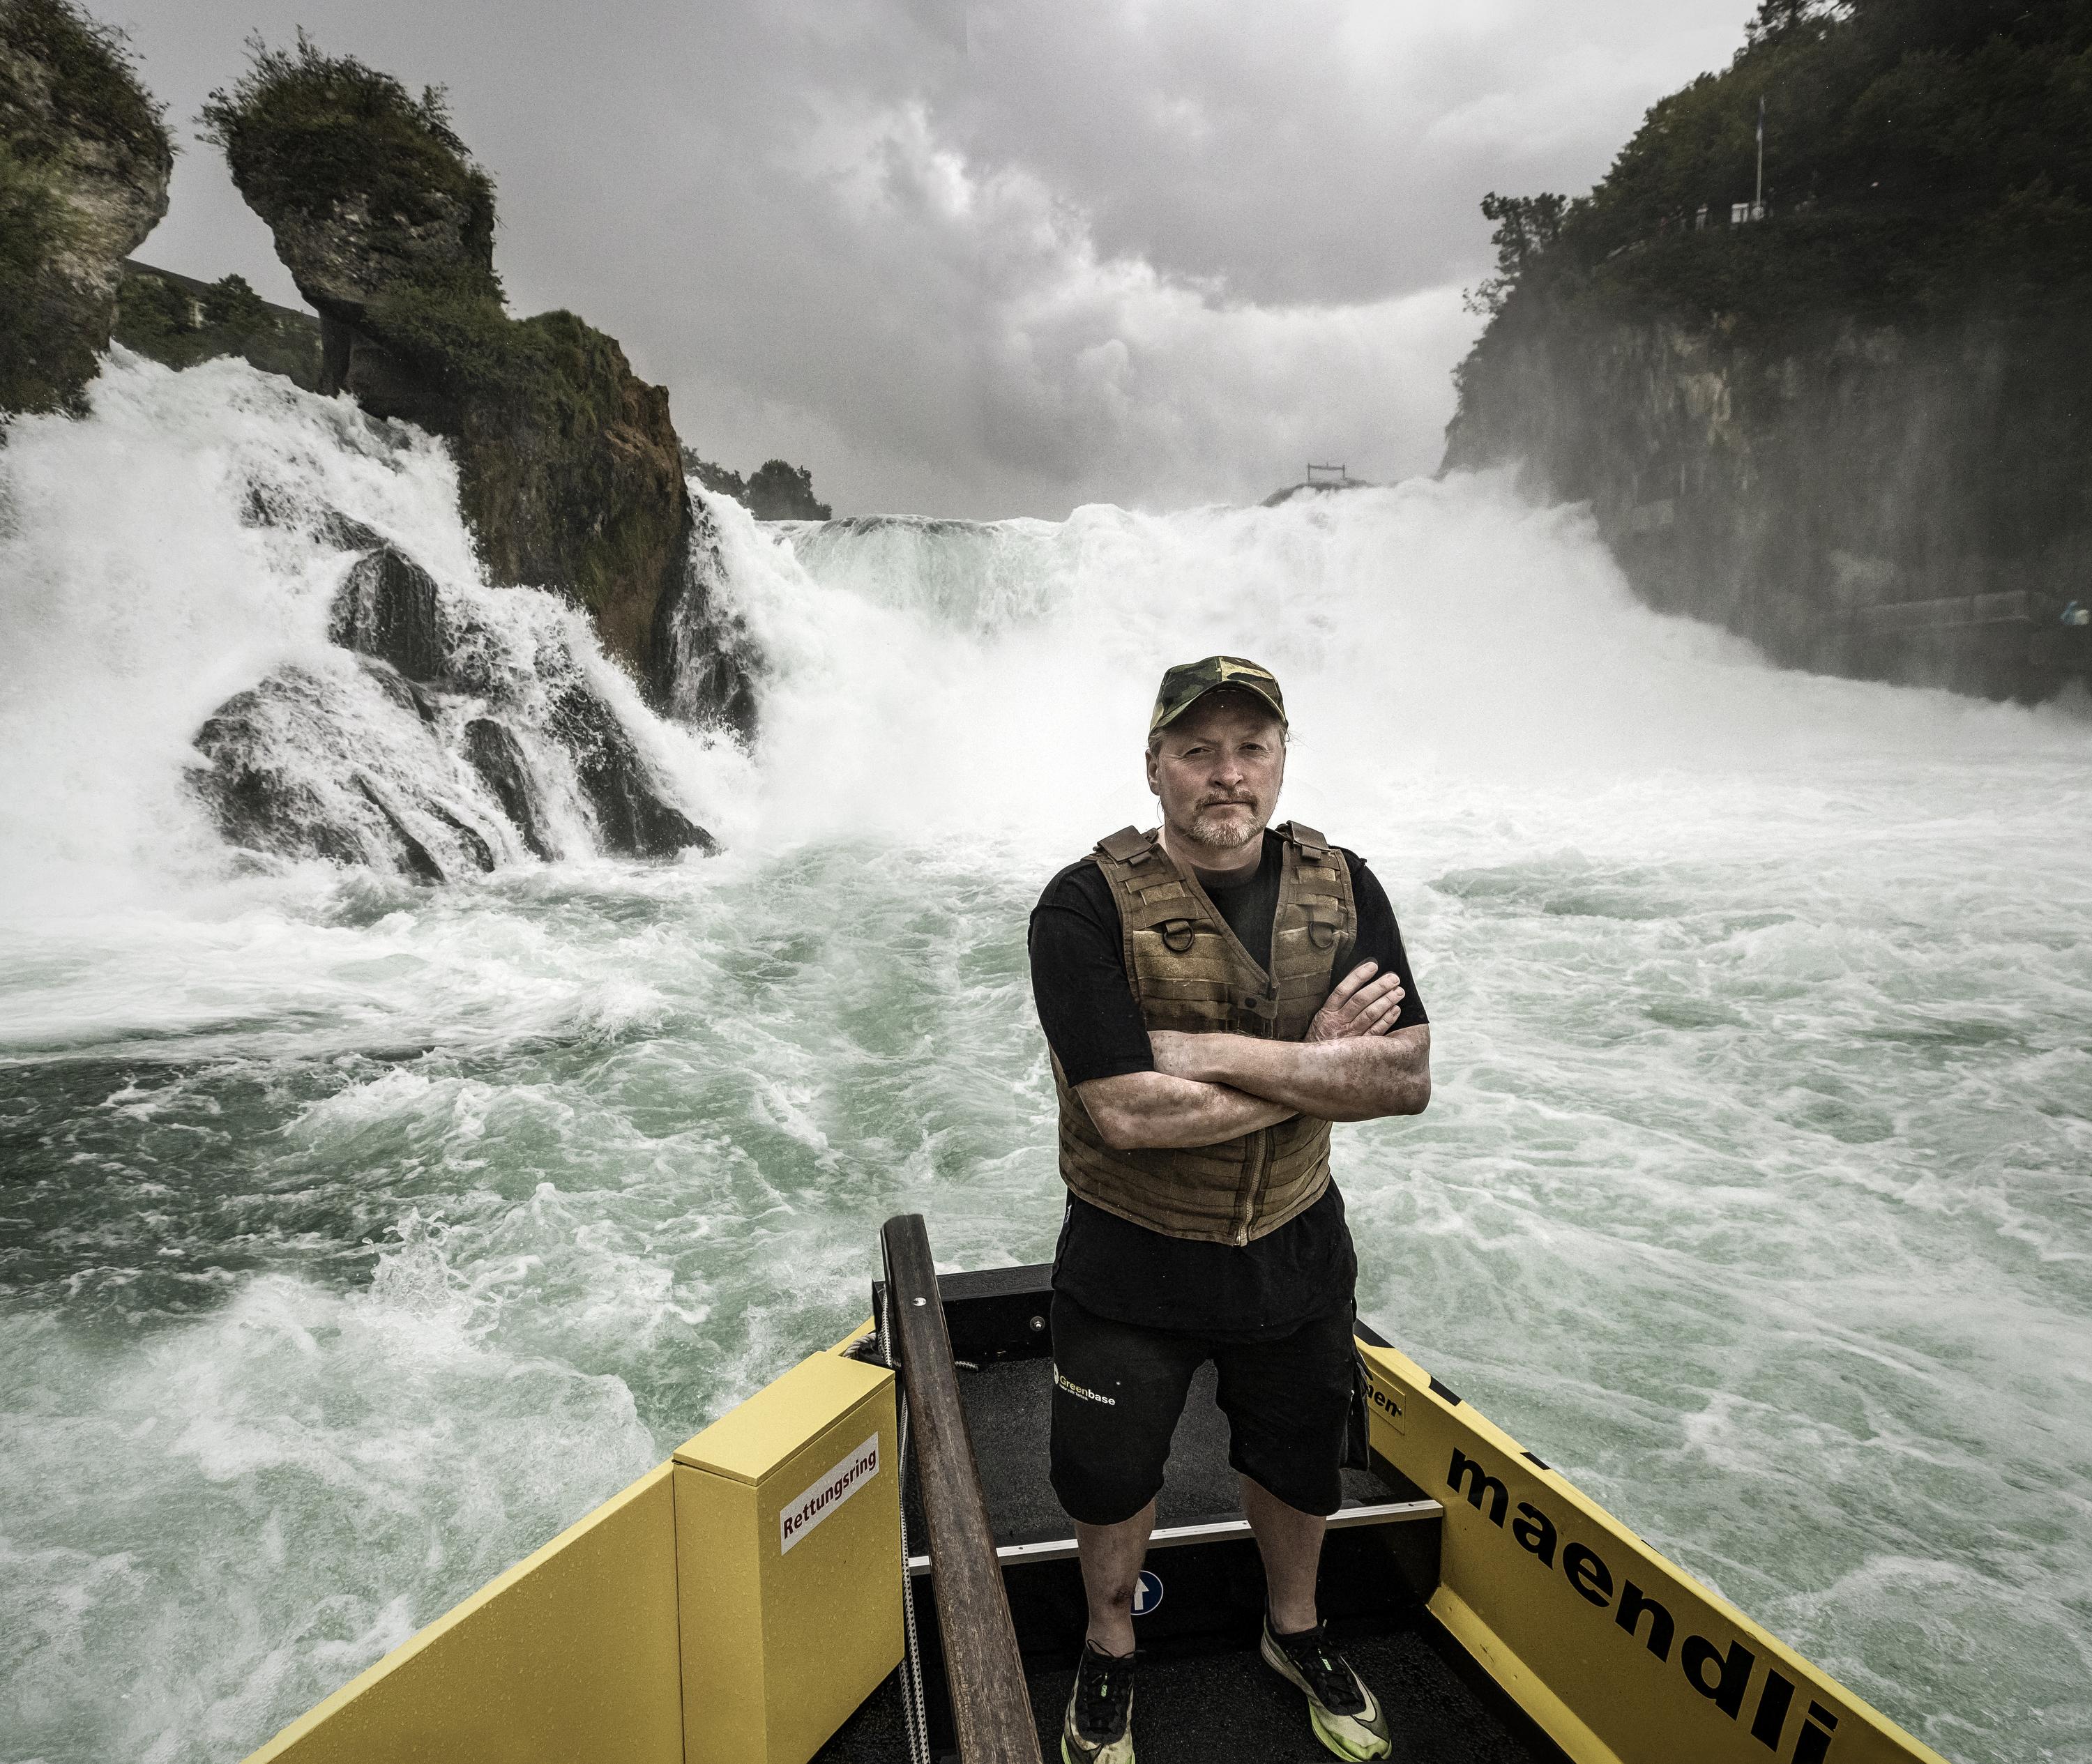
736 1604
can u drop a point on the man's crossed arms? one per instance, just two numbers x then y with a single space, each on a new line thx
1354 1064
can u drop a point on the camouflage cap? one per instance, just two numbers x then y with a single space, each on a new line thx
1188 682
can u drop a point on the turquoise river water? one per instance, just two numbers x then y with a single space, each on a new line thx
356 1236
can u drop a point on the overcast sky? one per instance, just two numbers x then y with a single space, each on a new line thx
993 259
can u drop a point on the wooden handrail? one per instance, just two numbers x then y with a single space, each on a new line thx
991 1706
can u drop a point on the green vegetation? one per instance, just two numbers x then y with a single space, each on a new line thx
160 318
779 491
776 491
385 183
1526 227
716 478
1870 393
87 85
389 220
309 133
451 328
1924 159
34 227
554 498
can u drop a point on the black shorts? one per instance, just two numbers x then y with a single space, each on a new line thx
1118 1389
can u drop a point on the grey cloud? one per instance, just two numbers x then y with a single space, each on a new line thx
1301 151
1004 258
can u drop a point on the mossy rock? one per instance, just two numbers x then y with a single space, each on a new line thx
84 160
364 184
572 477
569 464
68 85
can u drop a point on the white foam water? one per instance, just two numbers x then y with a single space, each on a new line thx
360 1235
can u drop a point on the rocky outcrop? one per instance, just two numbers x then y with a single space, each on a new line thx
440 749
707 663
388 609
632 819
1313 487
570 476
1876 500
84 160
309 765
373 201
569 468
494 752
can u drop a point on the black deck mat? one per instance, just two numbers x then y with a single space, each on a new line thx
1229 1708
1233 1706
1211 1701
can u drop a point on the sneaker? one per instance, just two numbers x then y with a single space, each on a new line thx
1098 1725
1347 1717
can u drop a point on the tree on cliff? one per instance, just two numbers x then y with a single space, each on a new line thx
1526 226
569 465
776 490
1923 157
84 160
779 491
1869 402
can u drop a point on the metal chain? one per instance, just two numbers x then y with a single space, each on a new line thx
913 1712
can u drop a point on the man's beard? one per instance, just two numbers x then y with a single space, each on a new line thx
1219 834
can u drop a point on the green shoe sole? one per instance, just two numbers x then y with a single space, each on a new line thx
1337 1743
1114 1756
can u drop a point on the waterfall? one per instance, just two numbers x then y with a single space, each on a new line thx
242 615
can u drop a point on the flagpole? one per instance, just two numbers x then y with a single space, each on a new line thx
1757 204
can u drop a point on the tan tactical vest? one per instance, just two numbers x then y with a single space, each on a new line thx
1189 971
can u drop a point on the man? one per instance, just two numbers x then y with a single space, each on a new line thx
1215 995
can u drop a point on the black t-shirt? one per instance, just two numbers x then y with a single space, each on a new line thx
1109 1265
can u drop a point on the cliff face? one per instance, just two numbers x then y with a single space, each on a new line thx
84 160
1899 503
374 202
1851 424
569 464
